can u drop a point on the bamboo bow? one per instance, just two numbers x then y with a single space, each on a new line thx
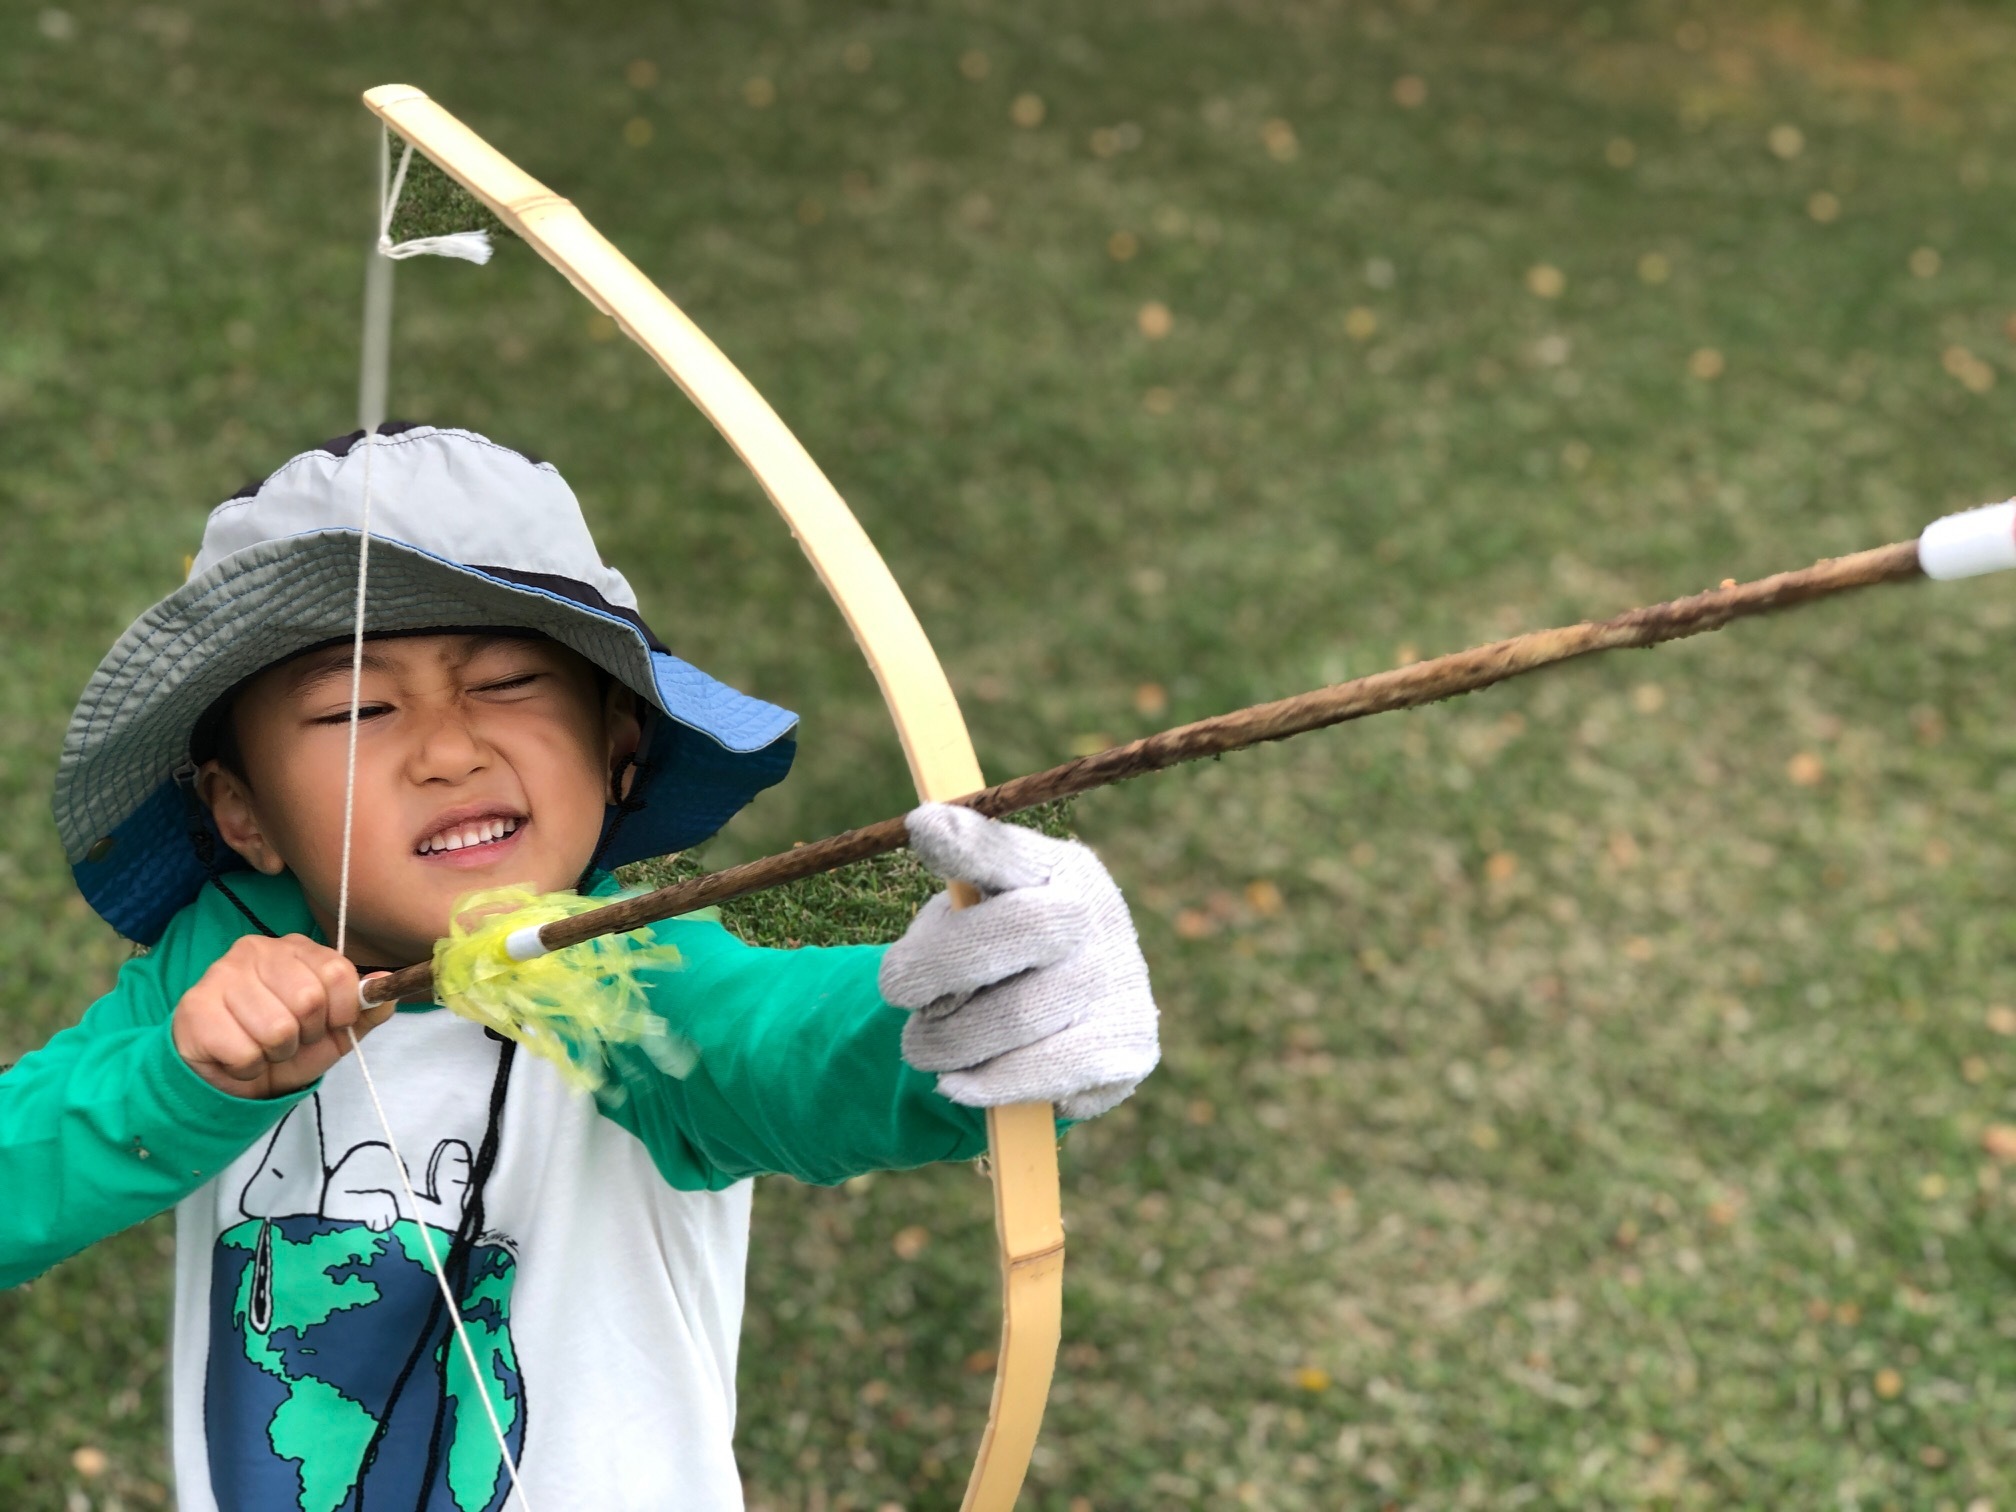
1021 1140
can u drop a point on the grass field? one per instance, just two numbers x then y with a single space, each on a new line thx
1584 1095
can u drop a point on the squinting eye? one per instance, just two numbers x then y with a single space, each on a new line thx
364 712
508 684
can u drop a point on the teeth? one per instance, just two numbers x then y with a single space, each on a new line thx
480 833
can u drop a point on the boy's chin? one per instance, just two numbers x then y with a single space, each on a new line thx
444 890
405 912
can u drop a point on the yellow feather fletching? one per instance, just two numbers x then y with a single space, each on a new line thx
573 1007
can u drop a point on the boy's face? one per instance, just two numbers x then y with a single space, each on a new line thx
482 760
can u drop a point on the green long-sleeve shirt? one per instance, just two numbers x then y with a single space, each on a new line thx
798 1072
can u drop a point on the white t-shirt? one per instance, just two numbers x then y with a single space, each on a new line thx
605 1305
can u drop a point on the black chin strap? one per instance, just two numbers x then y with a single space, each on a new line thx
625 805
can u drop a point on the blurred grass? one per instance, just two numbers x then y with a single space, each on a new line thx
1574 1096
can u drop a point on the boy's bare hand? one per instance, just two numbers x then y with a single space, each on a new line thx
267 1017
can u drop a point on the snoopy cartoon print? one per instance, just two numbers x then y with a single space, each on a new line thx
296 1178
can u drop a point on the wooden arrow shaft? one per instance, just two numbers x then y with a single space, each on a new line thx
1402 688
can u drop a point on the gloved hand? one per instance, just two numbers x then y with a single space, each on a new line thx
1037 993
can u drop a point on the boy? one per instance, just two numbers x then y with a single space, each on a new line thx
517 722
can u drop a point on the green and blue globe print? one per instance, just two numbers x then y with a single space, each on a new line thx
335 1383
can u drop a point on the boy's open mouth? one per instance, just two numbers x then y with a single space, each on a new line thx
471 836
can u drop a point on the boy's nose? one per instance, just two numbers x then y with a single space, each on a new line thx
447 749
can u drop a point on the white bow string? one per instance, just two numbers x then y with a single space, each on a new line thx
472 246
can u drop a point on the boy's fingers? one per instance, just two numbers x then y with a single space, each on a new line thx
265 1018
369 1016
297 986
339 986
223 1043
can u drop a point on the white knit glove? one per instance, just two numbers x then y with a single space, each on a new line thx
1037 993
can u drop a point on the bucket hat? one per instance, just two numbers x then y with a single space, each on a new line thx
465 534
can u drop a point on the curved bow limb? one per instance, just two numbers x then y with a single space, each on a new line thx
1022 1145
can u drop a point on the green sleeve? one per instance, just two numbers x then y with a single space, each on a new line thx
105 1124
800 1069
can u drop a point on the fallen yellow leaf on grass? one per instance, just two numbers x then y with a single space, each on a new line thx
1889 1384
1312 1378
1263 897
1999 1140
1974 374
1805 769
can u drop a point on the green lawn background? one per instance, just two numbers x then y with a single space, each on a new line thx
1573 1097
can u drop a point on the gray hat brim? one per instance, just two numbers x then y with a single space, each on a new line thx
125 820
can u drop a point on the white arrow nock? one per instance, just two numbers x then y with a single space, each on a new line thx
1970 543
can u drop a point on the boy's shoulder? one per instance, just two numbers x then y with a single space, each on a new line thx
205 927
276 902
201 931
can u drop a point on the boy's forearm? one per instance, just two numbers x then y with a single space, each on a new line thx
101 1129
799 1071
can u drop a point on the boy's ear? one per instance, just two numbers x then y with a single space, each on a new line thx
229 798
623 731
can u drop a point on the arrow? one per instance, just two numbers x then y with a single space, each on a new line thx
1962 545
